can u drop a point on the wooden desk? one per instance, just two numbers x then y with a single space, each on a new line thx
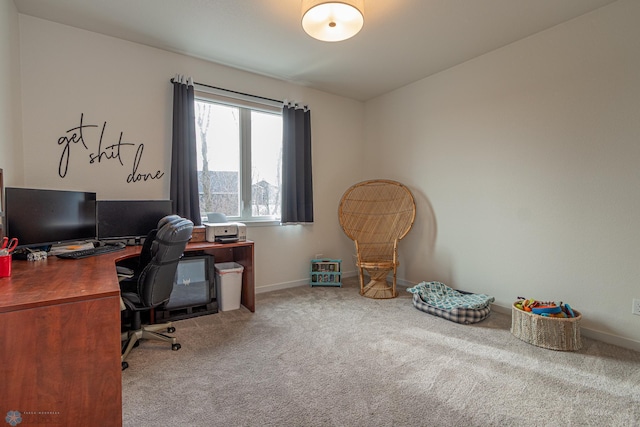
60 335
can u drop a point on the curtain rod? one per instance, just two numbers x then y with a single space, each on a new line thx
236 92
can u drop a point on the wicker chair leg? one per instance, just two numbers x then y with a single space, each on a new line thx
393 286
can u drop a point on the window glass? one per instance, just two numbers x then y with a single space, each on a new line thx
218 152
239 151
266 155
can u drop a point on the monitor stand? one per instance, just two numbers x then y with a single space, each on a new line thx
134 241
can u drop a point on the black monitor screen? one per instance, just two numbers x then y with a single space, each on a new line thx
125 219
45 217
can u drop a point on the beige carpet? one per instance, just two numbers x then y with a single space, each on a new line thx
329 357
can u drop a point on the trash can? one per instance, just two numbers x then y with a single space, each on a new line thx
228 285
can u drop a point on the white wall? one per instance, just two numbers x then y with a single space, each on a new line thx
10 130
525 163
67 72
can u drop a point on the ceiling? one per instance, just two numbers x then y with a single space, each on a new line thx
402 40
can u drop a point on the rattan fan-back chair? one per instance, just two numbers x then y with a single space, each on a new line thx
376 214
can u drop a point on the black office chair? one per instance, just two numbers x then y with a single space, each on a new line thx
152 282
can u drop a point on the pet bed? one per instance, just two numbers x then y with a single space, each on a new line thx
440 300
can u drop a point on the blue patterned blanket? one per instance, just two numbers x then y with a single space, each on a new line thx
443 297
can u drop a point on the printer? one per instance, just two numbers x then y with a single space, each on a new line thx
225 232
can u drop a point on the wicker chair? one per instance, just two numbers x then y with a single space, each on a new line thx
376 214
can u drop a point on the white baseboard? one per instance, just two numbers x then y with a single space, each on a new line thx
611 339
280 286
589 333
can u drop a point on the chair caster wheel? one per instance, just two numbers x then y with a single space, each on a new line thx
125 365
171 330
175 347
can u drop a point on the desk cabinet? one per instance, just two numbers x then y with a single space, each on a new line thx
60 366
60 335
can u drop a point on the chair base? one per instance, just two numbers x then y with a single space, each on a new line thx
377 288
147 332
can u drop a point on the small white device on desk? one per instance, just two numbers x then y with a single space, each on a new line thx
225 232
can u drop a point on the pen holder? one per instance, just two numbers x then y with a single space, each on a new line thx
5 265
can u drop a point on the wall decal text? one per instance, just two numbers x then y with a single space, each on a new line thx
105 153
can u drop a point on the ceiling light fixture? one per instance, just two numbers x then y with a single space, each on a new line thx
332 21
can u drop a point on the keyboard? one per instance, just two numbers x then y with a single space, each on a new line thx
84 253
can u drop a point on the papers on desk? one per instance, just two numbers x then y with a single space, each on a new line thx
62 249
124 273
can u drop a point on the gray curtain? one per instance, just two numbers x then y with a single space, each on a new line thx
184 167
297 188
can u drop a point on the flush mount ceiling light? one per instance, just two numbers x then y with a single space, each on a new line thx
332 21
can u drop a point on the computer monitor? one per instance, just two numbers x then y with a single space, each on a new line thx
40 218
129 219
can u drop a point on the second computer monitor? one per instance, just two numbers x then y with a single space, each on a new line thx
129 219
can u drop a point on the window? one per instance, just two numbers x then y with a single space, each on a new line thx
239 150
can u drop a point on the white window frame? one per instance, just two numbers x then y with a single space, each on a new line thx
246 104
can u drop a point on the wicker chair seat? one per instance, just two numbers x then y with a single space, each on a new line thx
377 265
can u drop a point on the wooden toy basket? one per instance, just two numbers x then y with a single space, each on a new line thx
553 333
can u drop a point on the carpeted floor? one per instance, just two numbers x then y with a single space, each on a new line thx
329 357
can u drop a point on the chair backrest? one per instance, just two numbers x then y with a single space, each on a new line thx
376 214
165 248
145 253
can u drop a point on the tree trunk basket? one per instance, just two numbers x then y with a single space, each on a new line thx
554 333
